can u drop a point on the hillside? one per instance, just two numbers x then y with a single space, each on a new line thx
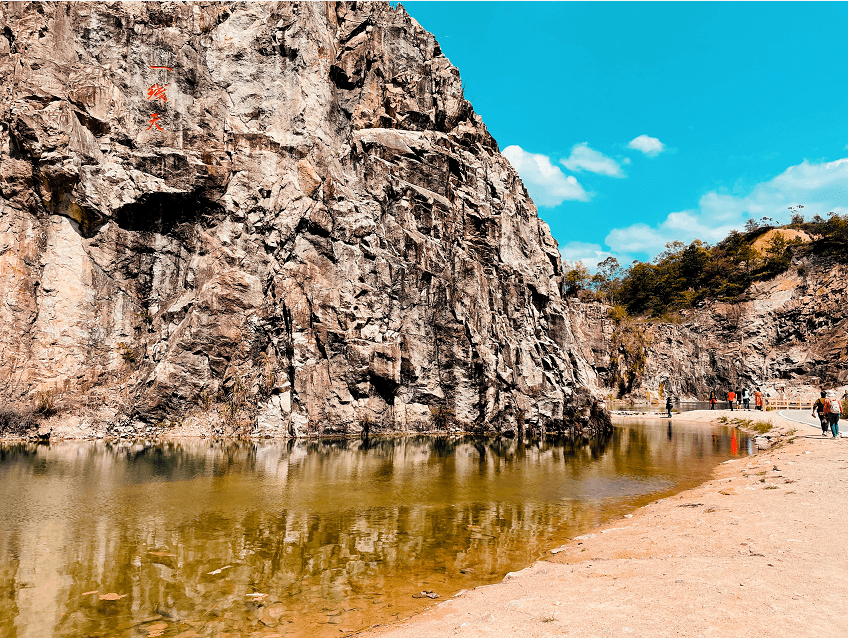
785 331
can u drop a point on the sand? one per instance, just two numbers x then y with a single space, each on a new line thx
759 550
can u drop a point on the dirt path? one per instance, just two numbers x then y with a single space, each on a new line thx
757 551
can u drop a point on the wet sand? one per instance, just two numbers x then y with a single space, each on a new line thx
759 550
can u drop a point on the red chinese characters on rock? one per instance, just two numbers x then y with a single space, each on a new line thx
154 119
157 92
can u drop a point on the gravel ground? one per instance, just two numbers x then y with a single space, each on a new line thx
756 551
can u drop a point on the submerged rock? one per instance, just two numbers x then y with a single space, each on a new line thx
272 218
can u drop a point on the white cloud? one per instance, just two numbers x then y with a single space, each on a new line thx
819 187
590 254
583 158
684 226
547 184
650 146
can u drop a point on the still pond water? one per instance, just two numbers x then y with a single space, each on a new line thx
201 538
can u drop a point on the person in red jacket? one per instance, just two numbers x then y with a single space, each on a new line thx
833 409
758 400
731 397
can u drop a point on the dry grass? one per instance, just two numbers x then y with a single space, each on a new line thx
760 427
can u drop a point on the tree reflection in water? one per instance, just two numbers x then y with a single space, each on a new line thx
303 536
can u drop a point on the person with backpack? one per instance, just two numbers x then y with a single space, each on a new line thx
731 397
818 409
712 399
833 408
668 404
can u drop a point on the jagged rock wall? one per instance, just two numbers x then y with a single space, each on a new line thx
790 333
313 219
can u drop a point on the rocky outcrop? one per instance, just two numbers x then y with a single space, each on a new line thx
284 214
788 336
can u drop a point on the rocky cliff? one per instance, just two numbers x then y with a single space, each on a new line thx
271 218
788 335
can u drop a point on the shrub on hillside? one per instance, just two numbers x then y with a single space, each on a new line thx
16 421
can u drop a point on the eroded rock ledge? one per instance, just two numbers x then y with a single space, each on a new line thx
323 237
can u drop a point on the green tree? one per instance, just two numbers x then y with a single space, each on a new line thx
777 254
607 277
797 218
637 290
576 277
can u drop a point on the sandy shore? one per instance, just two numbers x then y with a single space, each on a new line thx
757 551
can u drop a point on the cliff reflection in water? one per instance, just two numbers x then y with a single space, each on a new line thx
305 537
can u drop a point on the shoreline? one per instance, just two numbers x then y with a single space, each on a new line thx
70 434
166 437
80 435
67 426
754 551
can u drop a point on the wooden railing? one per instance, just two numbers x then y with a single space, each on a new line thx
773 404
790 404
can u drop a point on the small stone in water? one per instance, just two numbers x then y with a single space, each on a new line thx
112 596
156 629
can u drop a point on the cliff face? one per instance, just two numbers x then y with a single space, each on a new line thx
790 334
285 210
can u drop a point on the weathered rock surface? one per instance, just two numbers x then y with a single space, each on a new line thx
789 334
323 228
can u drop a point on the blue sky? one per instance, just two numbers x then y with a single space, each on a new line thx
636 124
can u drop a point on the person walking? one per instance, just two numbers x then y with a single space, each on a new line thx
818 409
758 400
731 397
712 399
739 399
746 399
833 408
668 404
